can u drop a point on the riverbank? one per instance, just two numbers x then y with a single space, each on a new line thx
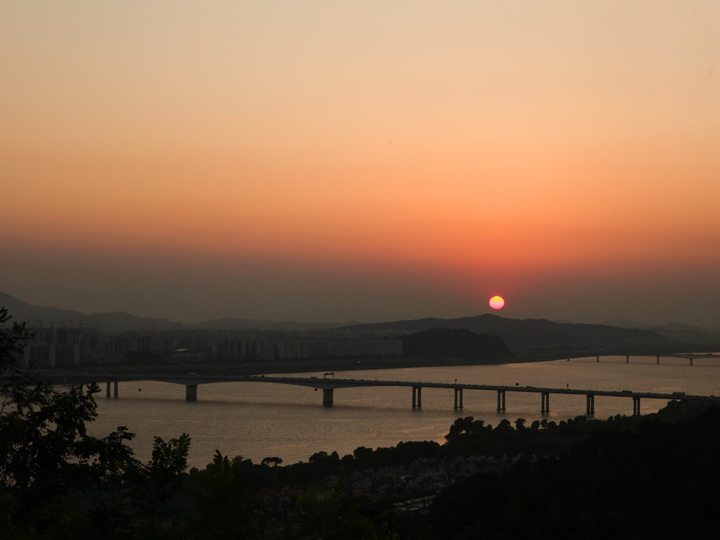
353 364
314 365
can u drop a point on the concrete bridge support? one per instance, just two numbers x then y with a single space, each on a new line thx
627 358
417 397
458 398
597 358
115 389
636 405
590 405
191 392
544 402
658 358
327 397
501 401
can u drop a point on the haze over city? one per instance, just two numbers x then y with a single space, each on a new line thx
362 161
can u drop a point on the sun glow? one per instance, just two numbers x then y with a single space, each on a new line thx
497 302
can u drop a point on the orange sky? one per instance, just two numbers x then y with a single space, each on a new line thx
362 160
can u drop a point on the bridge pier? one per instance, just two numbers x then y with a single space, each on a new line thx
115 389
590 405
691 359
417 397
191 392
501 400
544 402
636 405
627 358
327 397
597 358
458 398
658 359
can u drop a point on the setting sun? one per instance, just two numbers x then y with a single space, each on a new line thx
497 302
317 162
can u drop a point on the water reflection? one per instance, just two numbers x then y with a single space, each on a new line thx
259 420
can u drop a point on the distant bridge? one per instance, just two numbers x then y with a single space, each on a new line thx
328 384
687 355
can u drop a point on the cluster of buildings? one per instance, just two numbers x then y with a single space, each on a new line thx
410 485
291 348
57 347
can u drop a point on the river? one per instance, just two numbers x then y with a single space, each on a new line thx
267 420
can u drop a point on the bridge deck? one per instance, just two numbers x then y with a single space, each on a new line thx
332 384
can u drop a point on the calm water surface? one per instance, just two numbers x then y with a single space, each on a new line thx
260 420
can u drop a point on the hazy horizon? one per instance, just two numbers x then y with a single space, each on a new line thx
374 161
618 321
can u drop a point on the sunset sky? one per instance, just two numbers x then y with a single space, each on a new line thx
362 160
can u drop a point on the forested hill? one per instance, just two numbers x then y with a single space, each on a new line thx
522 333
452 343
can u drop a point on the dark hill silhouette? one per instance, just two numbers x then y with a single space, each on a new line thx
120 321
531 333
516 333
110 322
452 343
675 331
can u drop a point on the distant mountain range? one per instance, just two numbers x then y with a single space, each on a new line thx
523 333
542 332
120 321
107 322
675 331
517 333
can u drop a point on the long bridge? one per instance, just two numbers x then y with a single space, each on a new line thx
691 356
328 384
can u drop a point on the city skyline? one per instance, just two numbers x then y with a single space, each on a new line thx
362 162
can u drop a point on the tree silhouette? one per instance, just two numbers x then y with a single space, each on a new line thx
45 451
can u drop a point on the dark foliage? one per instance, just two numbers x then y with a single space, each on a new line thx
453 343
653 478
45 451
55 479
